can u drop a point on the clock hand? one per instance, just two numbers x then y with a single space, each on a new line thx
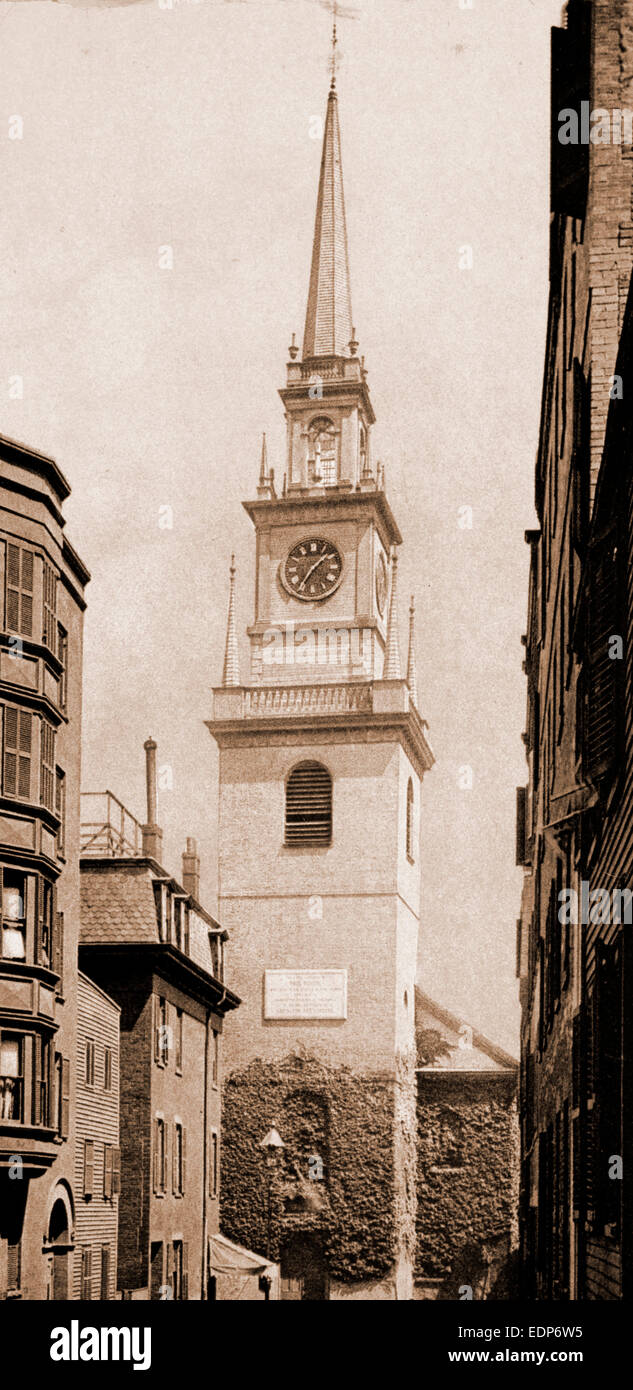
313 567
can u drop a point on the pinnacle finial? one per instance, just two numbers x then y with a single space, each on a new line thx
334 41
391 670
328 325
263 468
412 681
231 672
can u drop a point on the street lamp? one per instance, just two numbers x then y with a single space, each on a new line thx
273 1145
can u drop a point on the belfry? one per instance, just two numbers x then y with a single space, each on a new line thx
322 752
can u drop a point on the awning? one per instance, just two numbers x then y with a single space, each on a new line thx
227 1258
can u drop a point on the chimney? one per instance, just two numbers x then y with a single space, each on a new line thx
191 869
152 833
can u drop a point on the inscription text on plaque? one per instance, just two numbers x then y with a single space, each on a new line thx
305 994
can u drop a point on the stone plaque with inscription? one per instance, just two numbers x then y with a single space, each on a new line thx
305 994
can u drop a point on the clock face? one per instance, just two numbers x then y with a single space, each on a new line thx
382 583
312 570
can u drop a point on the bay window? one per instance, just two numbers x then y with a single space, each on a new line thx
11 1076
13 915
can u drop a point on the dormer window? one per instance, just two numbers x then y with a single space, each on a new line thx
181 924
324 451
163 906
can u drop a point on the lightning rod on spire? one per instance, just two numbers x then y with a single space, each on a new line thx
334 42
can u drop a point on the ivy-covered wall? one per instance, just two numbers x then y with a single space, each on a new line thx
336 1178
468 1158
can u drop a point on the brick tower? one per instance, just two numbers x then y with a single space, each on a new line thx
321 758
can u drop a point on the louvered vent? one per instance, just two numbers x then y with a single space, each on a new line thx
309 805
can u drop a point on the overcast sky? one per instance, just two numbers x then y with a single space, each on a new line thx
189 127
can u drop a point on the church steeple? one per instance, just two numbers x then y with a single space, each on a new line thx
329 328
329 413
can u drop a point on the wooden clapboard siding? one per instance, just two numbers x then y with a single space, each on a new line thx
96 1119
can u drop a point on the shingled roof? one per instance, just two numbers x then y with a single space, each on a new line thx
118 903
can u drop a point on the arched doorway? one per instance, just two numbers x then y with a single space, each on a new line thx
58 1244
303 1271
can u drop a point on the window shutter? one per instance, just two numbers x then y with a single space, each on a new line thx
603 683
116 1172
10 751
19 590
107 1170
49 624
183 1165
24 759
521 846
26 594
156 1156
309 805
13 588
174 1162
105 1271
610 1077
47 766
86 1273
89 1167
185 1269
65 1099
58 953
591 1137
171 1265
156 1009
14 1265
580 457
51 1102
541 1017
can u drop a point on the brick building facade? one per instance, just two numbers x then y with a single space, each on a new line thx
146 940
42 584
574 816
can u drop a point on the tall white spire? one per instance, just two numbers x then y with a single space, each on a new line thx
231 672
391 669
329 327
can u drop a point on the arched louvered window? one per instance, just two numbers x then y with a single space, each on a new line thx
309 805
410 819
323 436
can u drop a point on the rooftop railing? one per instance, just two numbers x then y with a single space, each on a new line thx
108 829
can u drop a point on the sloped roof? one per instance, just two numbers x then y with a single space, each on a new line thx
453 1044
117 902
118 907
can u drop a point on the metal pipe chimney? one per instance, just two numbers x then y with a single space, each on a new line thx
152 833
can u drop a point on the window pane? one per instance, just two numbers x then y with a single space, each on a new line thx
13 943
10 1078
10 1056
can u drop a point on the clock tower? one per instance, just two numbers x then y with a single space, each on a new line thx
322 752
